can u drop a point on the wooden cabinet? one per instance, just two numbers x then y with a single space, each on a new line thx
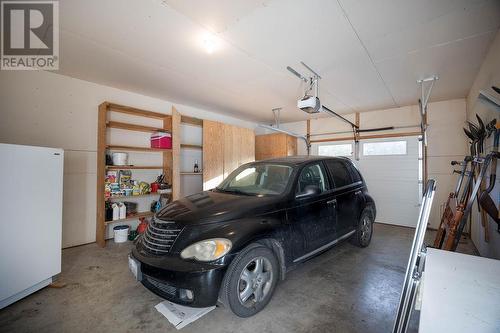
225 147
246 145
275 145
213 153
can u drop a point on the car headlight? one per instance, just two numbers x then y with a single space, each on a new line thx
207 250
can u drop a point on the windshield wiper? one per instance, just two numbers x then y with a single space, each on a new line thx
233 191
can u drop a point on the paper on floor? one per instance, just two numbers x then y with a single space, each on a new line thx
179 315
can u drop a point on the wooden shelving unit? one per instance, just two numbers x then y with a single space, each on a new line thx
170 157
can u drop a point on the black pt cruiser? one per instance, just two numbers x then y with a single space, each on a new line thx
234 243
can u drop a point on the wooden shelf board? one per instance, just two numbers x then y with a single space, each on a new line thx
134 111
192 173
127 167
133 127
189 146
133 148
132 196
191 121
131 217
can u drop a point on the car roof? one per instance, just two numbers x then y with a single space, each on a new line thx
300 159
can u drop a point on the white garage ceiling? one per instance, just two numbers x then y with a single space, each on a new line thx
369 53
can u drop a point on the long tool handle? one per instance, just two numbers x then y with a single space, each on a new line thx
495 144
449 245
484 216
493 169
491 185
441 231
465 163
472 196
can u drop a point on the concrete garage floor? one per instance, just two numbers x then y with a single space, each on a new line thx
346 289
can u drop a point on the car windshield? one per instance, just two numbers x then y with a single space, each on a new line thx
260 179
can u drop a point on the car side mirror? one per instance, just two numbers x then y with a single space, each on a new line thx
309 191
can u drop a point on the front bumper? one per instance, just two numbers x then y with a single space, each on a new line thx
183 282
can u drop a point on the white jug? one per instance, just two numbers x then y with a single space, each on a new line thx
116 212
123 211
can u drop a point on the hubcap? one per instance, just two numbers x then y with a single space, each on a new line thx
366 229
255 281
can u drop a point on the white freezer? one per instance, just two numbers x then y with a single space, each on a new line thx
460 293
31 189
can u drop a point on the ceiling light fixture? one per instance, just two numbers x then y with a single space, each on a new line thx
210 42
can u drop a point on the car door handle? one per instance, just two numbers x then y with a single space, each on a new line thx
332 202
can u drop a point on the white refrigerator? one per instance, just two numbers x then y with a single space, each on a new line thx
31 189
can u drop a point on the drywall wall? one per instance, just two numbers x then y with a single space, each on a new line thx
489 74
446 141
46 109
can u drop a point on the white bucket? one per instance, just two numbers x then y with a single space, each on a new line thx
120 158
121 233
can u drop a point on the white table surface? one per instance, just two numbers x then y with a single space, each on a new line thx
461 293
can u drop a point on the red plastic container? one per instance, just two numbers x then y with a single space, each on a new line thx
161 140
142 226
154 187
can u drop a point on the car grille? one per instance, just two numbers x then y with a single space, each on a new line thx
160 236
165 289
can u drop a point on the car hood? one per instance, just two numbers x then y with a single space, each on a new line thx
210 207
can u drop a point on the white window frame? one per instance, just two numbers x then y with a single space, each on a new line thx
421 168
384 142
337 144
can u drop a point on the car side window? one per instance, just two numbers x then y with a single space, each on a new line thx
311 175
340 174
356 177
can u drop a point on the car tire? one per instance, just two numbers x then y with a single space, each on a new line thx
250 280
364 230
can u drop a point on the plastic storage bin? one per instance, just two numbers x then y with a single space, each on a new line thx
161 140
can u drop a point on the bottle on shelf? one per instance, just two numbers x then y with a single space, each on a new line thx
109 211
116 212
136 189
196 168
123 210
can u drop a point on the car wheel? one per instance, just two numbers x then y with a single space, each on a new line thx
250 280
364 232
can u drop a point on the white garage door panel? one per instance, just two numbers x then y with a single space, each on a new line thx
393 183
385 192
389 215
382 170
